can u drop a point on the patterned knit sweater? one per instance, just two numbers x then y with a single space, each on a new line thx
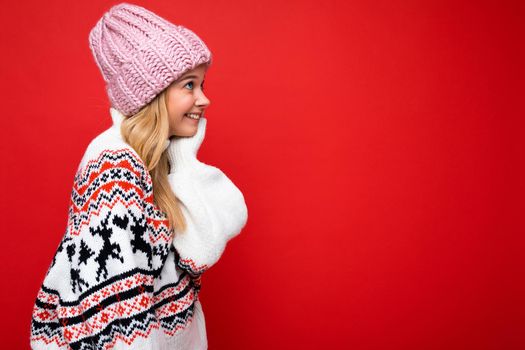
118 279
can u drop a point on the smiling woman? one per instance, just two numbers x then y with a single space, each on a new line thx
186 105
146 217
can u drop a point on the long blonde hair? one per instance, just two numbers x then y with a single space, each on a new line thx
146 132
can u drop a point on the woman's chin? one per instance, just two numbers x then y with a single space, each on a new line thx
187 132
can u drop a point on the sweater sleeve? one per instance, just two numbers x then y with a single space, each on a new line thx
214 210
98 290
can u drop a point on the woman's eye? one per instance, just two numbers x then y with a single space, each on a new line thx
191 82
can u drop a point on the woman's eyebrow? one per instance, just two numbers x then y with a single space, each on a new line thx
188 77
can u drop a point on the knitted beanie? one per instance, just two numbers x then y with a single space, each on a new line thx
140 54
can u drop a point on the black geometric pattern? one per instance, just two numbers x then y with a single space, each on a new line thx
109 249
85 253
112 198
139 229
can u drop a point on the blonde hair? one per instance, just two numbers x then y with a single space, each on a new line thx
146 132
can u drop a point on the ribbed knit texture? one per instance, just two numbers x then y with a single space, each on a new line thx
140 54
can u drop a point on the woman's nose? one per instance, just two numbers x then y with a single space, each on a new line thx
203 100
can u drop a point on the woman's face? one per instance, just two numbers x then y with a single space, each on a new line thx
186 95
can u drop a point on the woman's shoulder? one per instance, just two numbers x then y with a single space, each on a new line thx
108 149
106 142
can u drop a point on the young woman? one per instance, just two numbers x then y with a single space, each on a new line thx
146 217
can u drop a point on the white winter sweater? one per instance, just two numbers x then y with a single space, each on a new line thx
119 280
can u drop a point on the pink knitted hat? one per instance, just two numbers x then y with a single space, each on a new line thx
140 54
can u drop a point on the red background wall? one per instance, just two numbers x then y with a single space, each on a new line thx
379 146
